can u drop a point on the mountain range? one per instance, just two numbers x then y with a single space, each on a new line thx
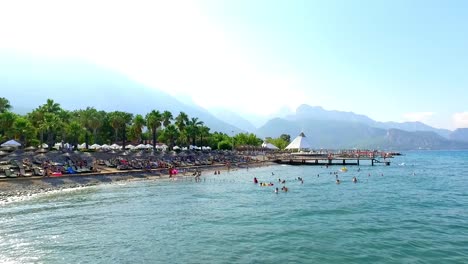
28 82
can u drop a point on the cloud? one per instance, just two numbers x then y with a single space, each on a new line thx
168 45
417 116
460 120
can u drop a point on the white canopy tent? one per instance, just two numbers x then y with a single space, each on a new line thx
299 143
11 143
269 145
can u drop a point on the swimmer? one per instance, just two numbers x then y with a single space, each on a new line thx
354 179
276 190
255 180
337 181
272 173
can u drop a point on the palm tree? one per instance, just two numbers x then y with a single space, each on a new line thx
171 133
181 121
137 127
4 105
51 107
116 121
49 119
86 116
74 130
23 130
153 121
6 121
127 120
192 128
204 131
167 118
50 123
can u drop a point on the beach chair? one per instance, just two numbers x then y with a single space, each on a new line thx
38 171
10 174
23 173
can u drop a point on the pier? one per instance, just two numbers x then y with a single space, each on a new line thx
331 159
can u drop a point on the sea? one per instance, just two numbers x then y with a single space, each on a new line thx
413 211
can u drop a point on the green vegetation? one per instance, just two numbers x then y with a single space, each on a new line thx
50 123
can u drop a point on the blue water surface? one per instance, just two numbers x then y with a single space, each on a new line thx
413 211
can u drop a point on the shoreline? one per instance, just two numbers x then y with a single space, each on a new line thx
17 189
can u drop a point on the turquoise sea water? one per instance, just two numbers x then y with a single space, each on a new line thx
414 211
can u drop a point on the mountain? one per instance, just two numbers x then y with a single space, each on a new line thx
342 134
460 134
233 118
28 82
318 113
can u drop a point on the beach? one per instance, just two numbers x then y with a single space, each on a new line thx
12 189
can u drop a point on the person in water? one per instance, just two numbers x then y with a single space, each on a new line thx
337 181
276 190
255 180
354 179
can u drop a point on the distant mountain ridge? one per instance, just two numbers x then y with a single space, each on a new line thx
337 129
318 113
28 82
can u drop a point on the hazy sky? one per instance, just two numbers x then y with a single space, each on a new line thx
391 60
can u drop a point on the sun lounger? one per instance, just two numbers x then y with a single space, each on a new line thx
38 171
10 174
24 174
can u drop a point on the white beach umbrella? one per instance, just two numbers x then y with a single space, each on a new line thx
105 146
176 147
43 146
141 146
95 146
115 146
11 143
129 146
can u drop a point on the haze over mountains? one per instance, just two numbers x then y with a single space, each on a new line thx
28 82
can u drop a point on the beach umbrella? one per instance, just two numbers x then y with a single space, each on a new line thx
129 146
41 150
3 153
95 146
43 146
30 148
115 146
7 148
11 143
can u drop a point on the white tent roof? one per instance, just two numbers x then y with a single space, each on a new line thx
11 143
300 142
268 145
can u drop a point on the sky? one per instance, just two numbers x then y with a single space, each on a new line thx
390 60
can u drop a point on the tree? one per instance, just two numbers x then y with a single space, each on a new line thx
49 120
286 138
167 118
74 130
153 121
4 105
6 121
204 132
23 130
278 142
192 128
50 123
170 133
137 127
181 122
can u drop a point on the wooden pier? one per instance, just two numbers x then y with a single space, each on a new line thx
329 160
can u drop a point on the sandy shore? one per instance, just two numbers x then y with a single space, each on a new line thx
24 187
